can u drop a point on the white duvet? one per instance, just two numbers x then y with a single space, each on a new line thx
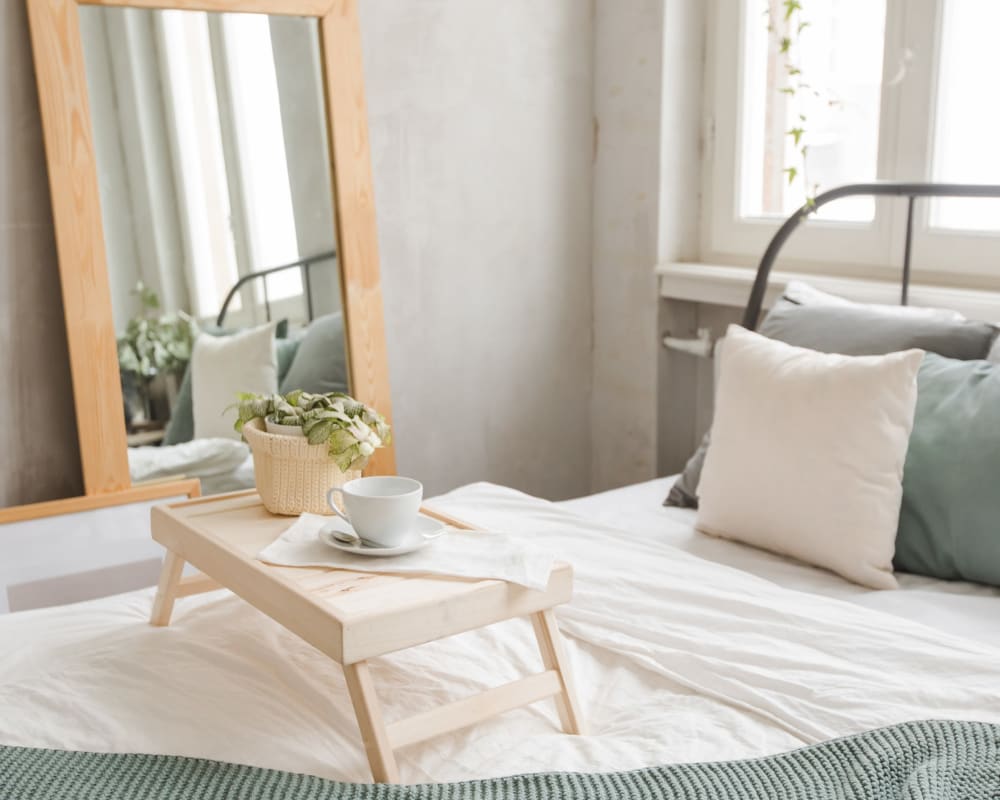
676 659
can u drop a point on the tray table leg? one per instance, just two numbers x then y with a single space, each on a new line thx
369 714
166 592
554 657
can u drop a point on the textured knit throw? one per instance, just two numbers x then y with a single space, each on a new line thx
913 761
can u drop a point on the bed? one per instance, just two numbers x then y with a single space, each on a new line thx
680 655
685 648
968 609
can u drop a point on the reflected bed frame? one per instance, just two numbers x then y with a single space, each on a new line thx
303 265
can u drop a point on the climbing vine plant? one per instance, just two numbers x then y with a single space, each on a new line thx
787 28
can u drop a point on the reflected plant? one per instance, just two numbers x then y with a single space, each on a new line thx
352 430
155 344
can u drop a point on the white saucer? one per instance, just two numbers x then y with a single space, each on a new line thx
425 530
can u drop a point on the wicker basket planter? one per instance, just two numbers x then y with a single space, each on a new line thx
292 476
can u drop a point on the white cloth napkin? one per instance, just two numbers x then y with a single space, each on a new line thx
458 553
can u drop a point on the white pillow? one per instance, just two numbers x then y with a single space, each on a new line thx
807 451
222 367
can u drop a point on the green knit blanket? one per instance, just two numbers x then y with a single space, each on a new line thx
915 761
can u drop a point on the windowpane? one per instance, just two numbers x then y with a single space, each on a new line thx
836 104
967 134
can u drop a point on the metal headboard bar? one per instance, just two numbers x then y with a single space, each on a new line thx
911 191
261 274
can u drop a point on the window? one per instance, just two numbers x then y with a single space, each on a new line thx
835 112
967 129
871 90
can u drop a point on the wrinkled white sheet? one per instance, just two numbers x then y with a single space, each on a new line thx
676 659
957 607
223 465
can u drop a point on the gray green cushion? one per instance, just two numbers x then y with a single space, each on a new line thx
180 428
806 317
684 492
915 760
949 523
320 363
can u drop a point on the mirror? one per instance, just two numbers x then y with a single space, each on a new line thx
213 166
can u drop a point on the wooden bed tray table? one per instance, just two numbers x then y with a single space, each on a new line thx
355 616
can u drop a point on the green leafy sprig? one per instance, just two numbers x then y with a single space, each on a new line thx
788 40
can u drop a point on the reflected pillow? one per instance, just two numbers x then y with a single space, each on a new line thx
807 454
280 330
949 524
222 367
320 363
180 428
806 317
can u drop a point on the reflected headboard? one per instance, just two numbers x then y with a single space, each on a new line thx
261 275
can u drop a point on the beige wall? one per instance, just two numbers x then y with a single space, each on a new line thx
647 103
482 140
38 451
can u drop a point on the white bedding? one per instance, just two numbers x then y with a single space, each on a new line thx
223 465
677 658
967 609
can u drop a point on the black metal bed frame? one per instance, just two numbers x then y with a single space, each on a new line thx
303 264
911 191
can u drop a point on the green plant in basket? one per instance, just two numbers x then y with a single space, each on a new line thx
351 430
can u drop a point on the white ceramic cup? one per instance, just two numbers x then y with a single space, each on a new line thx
381 509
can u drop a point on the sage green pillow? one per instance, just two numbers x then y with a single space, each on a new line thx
320 363
949 523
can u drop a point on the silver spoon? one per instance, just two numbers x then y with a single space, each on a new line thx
353 539
349 537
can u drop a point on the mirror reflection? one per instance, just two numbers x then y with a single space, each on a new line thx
213 162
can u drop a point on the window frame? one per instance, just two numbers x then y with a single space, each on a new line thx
905 150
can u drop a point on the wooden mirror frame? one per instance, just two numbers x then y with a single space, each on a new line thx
76 210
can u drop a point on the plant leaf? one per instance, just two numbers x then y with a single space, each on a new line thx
791 6
341 440
319 432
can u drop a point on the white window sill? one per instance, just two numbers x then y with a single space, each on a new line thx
716 284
